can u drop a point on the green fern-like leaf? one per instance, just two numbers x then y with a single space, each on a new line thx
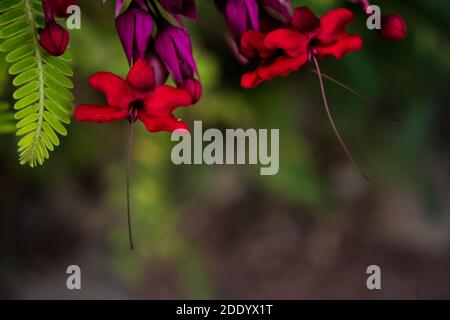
43 98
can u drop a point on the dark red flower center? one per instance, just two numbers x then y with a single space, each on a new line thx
133 108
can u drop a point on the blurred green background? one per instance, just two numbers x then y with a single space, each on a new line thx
225 231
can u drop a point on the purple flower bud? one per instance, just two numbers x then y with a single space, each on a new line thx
283 7
134 27
160 72
182 7
174 48
194 87
241 15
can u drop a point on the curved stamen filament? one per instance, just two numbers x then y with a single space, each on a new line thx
346 87
130 144
330 118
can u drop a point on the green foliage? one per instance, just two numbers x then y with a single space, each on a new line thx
43 99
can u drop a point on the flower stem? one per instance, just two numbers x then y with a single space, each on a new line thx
330 118
130 144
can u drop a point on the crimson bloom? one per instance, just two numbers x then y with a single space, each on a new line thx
137 97
284 50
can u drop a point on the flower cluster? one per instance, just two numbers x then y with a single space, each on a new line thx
282 39
155 49
270 34
283 49
53 37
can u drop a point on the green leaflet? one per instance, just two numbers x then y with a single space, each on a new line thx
43 98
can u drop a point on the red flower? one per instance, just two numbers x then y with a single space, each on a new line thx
285 50
136 98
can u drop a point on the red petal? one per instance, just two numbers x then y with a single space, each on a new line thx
141 76
305 20
250 80
282 66
164 99
167 123
340 48
252 45
292 42
333 25
116 90
99 114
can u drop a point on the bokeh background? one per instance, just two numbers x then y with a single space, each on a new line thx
225 231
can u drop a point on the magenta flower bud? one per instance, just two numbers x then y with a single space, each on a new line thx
393 27
241 16
194 87
160 72
54 39
174 48
182 7
134 27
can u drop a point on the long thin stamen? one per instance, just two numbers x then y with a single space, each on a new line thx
130 144
352 91
330 118
346 87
